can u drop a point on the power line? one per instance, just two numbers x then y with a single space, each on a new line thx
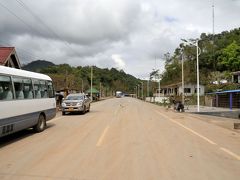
20 19
23 5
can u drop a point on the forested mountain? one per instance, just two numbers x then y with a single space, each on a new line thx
78 78
220 55
37 65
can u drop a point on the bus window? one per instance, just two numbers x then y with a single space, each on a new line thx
18 86
50 89
6 90
27 89
44 93
37 88
1 92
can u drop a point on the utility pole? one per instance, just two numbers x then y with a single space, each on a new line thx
138 90
82 85
198 100
182 78
148 88
198 53
135 91
91 81
65 83
142 90
100 95
159 86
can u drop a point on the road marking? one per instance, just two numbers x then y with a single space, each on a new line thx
203 137
100 140
190 130
230 153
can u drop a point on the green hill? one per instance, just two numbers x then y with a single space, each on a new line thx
79 78
37 65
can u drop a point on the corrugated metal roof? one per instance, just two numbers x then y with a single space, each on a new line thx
224 92
94 91
4 54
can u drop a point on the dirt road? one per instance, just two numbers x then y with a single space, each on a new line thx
123 138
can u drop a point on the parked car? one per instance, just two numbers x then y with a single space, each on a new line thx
76 103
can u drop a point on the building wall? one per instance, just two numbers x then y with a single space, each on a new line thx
177 90
193 89
223 100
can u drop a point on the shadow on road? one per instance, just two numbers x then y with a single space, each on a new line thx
12 138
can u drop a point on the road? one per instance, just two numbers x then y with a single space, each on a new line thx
121 139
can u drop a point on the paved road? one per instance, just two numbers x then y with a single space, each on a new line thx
124 139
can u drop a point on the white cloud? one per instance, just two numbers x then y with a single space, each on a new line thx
92 31
119 62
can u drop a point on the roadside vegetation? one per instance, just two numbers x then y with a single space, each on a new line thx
79 78
220 56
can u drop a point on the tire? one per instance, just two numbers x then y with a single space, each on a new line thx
63 113
84 110
41 125
88 108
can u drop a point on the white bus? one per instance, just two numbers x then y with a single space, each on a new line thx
27 99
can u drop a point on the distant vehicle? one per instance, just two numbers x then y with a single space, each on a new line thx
119 94
27 99
76 103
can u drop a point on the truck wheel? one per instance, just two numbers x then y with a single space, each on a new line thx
41 125
63 113
84 110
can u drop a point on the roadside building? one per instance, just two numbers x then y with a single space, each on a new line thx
236 77
177 90
226 99
9 58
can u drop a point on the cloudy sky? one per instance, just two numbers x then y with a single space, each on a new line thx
125 34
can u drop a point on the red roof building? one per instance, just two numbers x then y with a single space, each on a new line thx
8 57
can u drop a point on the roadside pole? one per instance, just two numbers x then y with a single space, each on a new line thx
91 81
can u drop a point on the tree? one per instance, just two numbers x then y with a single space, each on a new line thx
154 74
230 58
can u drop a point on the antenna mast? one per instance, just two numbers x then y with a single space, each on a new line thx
213 18
213 34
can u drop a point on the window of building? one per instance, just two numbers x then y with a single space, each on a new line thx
195 91
187 90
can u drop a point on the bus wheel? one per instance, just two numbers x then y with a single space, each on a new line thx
41 125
